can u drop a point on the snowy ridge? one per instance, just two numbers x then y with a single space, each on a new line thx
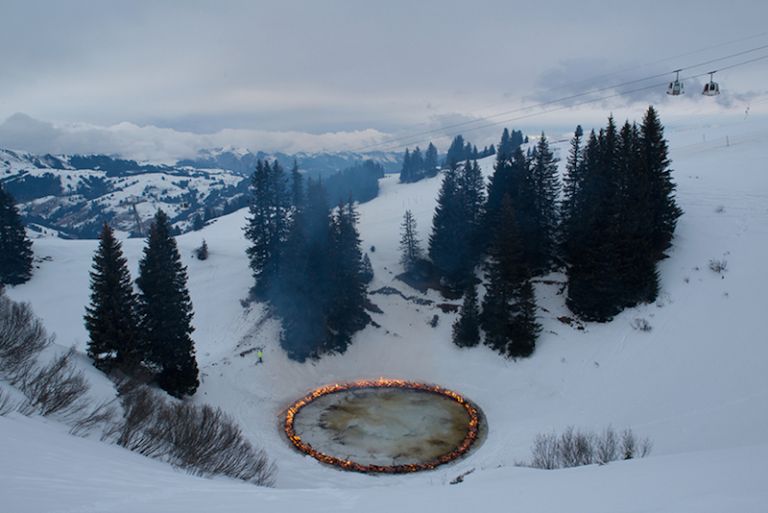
696 384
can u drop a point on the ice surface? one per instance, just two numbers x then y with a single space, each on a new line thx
383 426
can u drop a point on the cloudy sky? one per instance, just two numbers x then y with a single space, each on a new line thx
160 79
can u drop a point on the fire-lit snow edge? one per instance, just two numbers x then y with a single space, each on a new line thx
473 425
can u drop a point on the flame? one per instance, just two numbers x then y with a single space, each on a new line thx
472 426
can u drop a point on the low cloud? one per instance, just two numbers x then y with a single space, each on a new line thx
151 143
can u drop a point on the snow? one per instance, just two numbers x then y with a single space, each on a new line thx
696 384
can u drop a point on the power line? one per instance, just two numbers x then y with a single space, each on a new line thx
399 139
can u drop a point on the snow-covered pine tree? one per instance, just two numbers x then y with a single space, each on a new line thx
466 328
112 317
410 246
166 311
15 247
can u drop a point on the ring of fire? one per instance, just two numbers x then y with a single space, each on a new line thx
473 425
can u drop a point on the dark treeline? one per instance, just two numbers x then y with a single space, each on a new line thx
418 165
147 335
306 261
619 216
357 183
461 150
607 229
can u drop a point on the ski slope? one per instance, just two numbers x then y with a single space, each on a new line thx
697 384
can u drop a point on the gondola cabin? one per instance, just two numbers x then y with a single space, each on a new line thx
675 87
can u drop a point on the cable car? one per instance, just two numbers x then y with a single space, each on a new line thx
675 87
712 88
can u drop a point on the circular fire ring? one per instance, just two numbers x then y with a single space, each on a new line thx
348 463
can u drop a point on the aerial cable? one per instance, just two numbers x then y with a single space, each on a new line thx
585 102
442 129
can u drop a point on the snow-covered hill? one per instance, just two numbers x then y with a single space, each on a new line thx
696 384
74 195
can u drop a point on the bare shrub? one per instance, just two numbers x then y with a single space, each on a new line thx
573 448
22 337
139 431
545 451
720 209
718 266
628 444
206 441
641 324
56 388
200 439
607 447
103 415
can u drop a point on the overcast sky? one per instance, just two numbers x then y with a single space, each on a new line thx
160 78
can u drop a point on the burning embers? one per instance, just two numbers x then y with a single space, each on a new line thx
472 426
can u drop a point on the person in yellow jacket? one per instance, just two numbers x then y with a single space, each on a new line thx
260 356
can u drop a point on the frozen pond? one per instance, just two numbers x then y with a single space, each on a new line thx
383 426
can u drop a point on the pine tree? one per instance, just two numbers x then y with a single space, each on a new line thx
545 188
430 160
665 211
636 258
197 222
594 281
112 316
472 196
346 309
410 246
466 328
417 165
572 182
509 307
367 269
406 172
303 286
166 311
297 187
202 252
15 247
454 246
267 226
526 327
509 178
456 153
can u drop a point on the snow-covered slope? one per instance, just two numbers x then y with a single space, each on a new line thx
696 384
